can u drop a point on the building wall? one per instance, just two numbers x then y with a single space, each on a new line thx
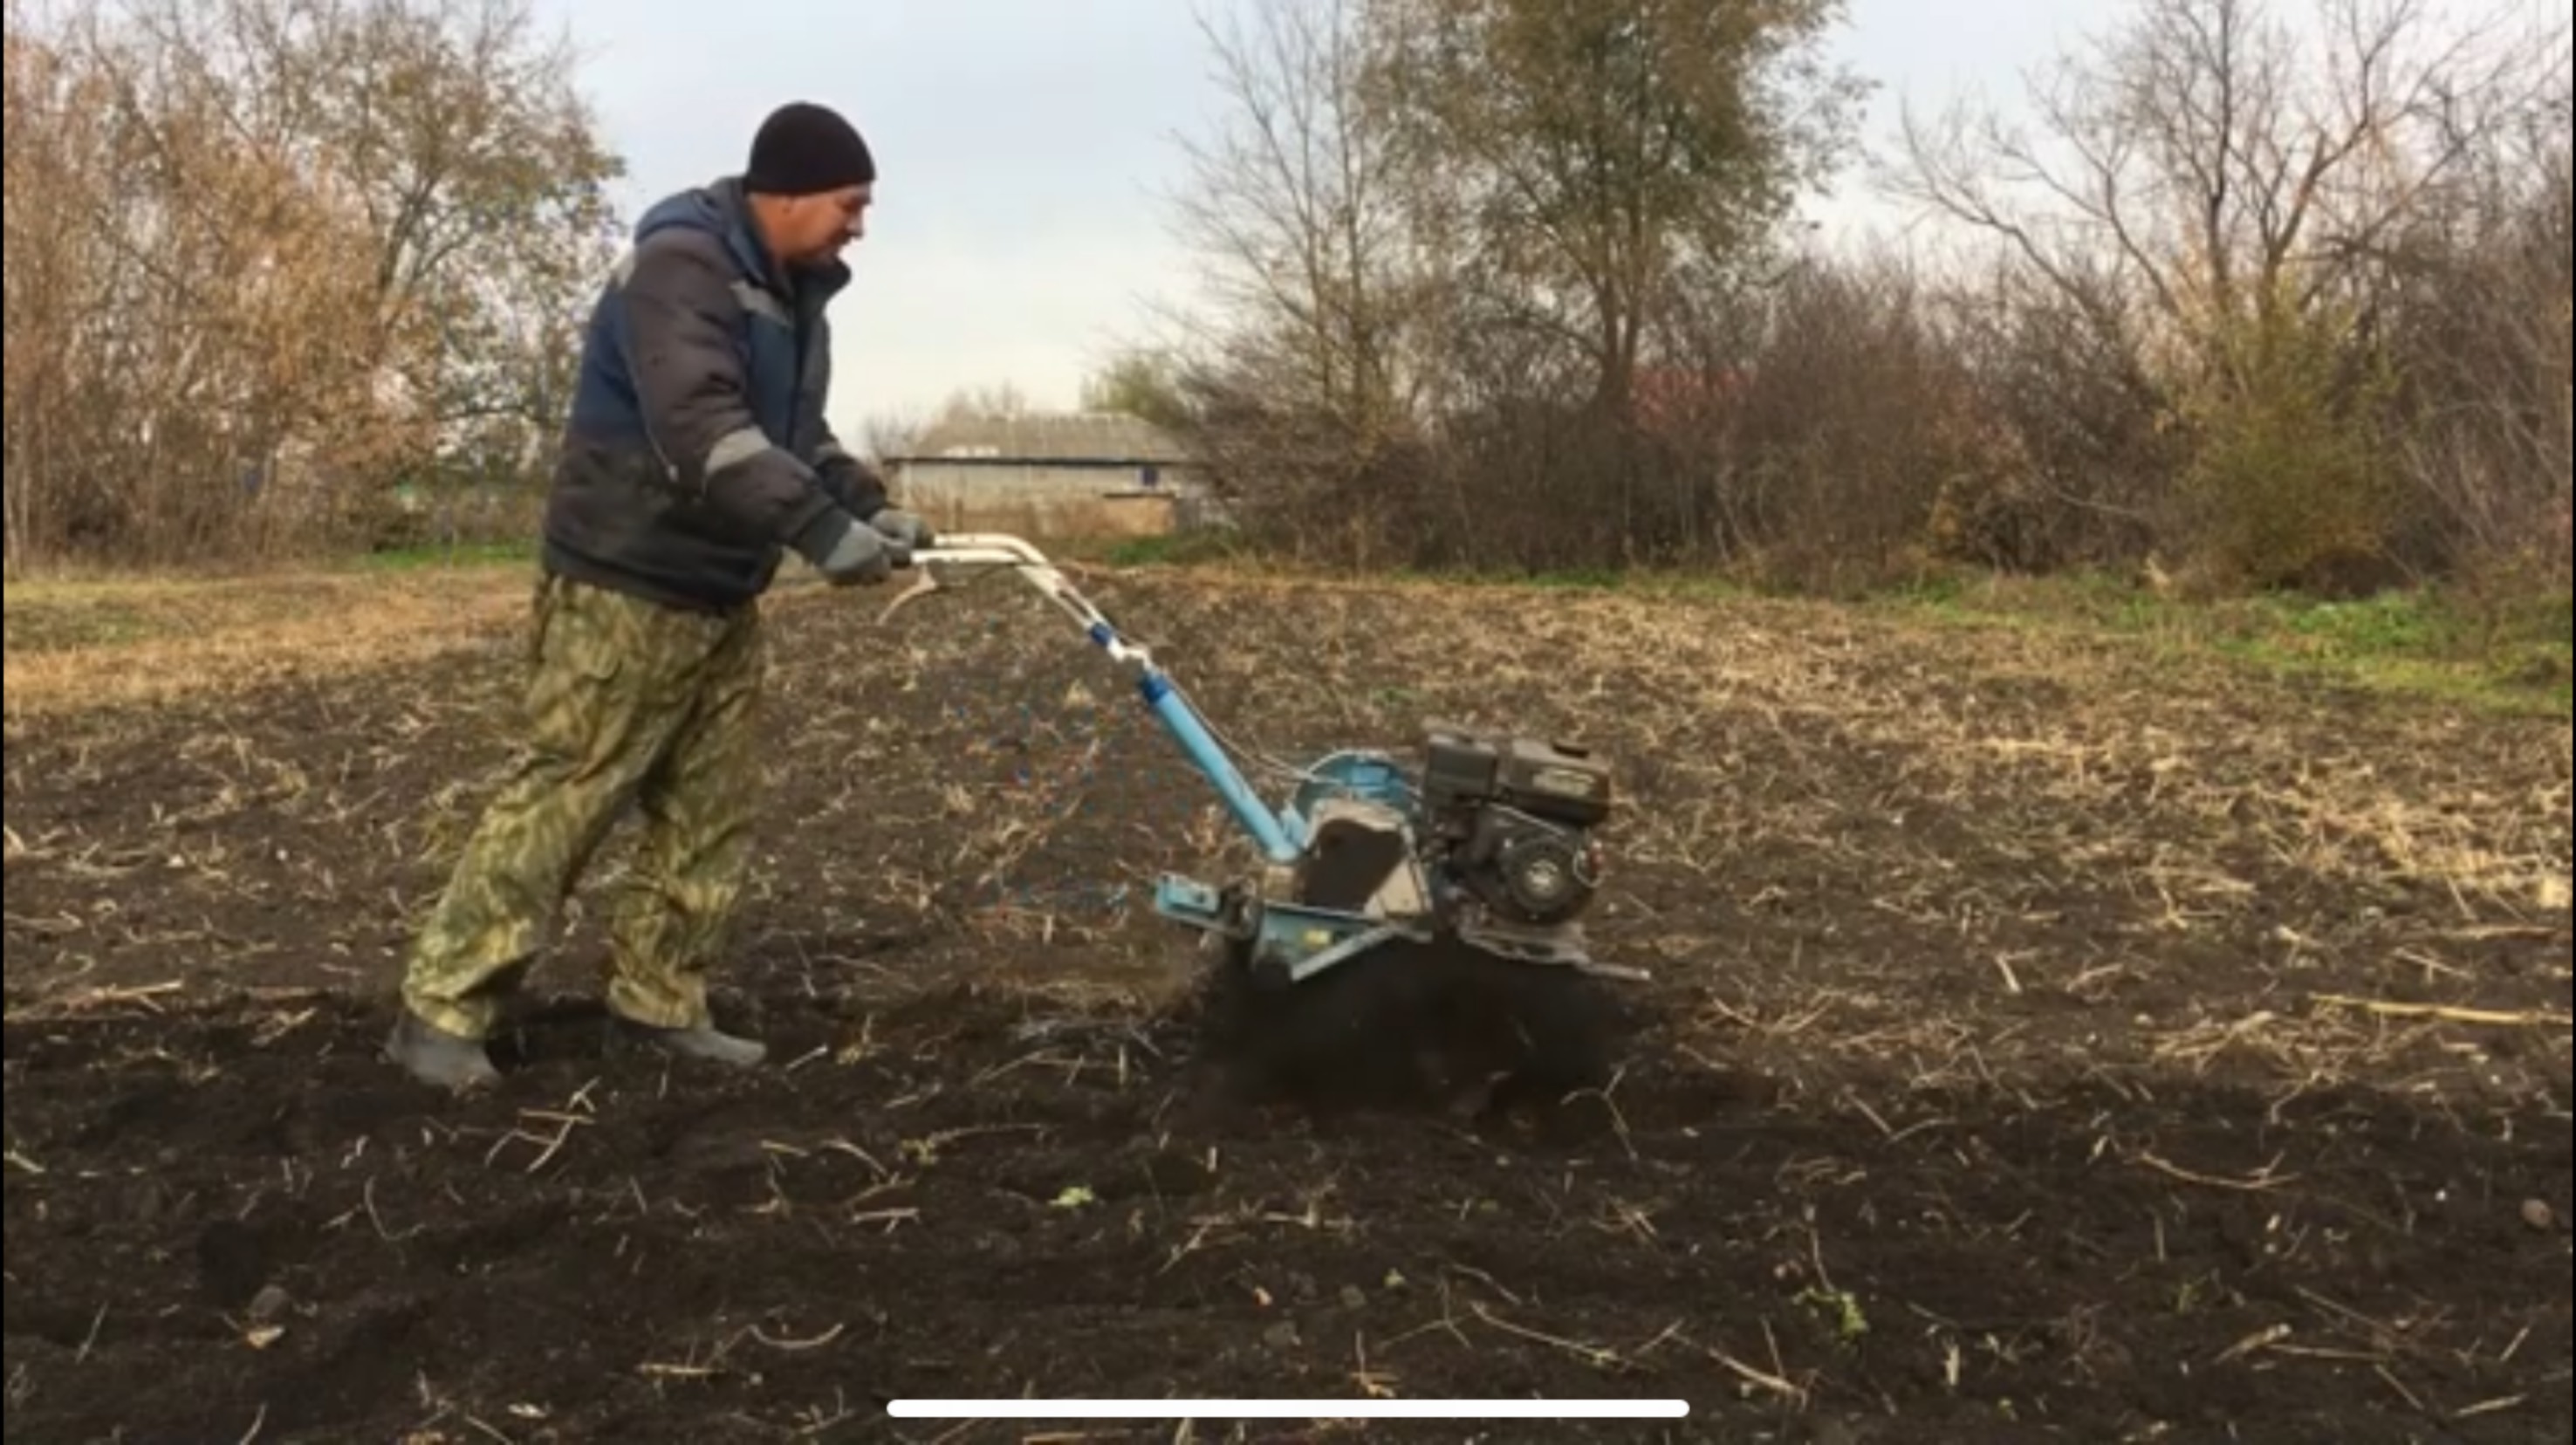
1057 501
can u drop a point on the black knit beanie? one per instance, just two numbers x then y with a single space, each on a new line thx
805 149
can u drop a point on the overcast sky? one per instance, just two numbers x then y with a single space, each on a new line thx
1022 146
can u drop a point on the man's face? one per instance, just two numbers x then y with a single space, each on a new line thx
820 227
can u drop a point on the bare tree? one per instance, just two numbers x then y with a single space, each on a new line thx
1303 374
282 254
1432 223
1291 208
2208 159
1148 385
2218 194
887 435
207 315
975 403
1577 160
2482 292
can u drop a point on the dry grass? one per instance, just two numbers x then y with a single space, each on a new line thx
1870 840
74 645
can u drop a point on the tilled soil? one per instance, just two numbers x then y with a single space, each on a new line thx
2042 1047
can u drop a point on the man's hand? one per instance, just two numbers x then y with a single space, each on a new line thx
904 528
858 556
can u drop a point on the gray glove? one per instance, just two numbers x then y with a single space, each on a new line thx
851 555
903 527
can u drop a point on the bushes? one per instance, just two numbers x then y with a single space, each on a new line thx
1856 425
2289 482
2260 301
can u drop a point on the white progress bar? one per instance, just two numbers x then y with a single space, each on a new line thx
1289 1409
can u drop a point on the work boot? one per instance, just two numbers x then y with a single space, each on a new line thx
702 1042
438 1058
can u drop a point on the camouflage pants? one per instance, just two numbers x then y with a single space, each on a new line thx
629 705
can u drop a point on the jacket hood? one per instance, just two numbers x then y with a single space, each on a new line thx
720 209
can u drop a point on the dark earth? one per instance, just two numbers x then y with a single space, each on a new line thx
2039 1049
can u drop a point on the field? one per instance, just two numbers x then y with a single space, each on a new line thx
2051 1039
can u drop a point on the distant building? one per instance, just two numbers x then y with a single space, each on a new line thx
1052 474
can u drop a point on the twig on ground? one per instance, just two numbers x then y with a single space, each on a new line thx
1487 1280
793 1346
145 996
2429 964
2331 1356
279 1025
548 1146
1671 1331
818 1422
1762 1379
1448 1321
1816 1252
2508 933
1593 1355
1372 1384
844 1146
1890 1132
1618 1119
2448 1013
375 1218
1623 1218
926 1150
2261 1183
1189 1246
2394 1383
1051 1057
2263 1339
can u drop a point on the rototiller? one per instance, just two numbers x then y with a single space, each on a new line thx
1490 843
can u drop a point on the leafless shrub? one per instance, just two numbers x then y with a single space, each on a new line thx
276 256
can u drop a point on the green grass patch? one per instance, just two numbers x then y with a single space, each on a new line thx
516 553
1184 549
2429 643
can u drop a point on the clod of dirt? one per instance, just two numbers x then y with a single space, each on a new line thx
269 1305
231 1263
1181 1176
1415 1028
1354 1298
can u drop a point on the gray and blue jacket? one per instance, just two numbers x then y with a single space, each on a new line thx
696 453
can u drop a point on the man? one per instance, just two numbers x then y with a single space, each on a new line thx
694 458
